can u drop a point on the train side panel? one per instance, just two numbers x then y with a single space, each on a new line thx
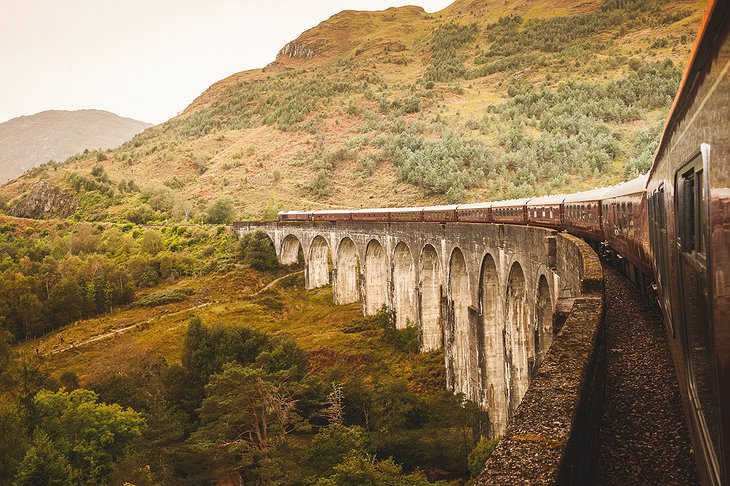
688 201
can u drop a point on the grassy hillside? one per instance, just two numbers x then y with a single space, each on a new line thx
29 141
480 101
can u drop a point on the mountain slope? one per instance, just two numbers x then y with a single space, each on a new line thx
483 100
28 141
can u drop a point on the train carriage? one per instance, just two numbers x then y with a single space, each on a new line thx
582 214
625 227
546 211
440 214
375 215
294 216
406 215
475 213
331 215
511 211
689 231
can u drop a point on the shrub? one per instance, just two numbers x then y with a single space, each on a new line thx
479 456
257 251
220 211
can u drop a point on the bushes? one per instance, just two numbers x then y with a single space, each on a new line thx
257 251
220 211
162 298
447 64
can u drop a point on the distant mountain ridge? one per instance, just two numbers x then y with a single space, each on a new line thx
28 141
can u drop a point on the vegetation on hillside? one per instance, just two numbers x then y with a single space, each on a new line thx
237 398
468 105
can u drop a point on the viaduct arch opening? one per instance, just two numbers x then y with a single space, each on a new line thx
318 266
431 290
346 284
376 278
518 342
462 352
290 249
543 320
404 286
492 349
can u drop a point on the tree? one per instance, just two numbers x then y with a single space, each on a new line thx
92 436
220 211
44 464
257 251
365 470
245 416
12 444
332 444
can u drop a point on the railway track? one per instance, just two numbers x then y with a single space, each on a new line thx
644 438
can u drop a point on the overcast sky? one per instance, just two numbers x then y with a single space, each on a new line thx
145 59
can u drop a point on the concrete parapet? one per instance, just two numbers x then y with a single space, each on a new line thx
553 435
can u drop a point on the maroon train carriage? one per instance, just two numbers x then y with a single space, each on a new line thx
689 200
474 213
625 228
332 215
406 215
546 211
294 215
582 214
511 211
440 214
374 215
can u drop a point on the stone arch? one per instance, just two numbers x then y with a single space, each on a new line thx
517 343
346 283
491 347
404 286
290 248
318 265
376 278
431 331
462 354
543 329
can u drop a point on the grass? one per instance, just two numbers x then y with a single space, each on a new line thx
307 316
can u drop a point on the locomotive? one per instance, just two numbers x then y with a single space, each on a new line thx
668 229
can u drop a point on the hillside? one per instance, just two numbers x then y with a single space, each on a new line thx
482 100
29 141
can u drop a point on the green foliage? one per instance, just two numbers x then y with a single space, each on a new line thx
332 444
479 456
447 63
645 145
257 251
162 298
453 163
13 444
220 211
77 440
365 470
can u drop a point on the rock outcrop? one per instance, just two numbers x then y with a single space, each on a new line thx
44 200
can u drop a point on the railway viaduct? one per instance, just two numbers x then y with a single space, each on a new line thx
490 295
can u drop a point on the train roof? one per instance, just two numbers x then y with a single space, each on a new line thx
330 211
372 210
508 203
449 207
406 210
584 196
542 200
479 205
294 212
629 187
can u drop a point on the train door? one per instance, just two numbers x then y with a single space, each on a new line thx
691 196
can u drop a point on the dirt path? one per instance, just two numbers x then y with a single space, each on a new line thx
122 330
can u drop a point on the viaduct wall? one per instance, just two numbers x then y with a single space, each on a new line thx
486 294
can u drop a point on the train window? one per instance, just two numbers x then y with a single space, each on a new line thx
695 319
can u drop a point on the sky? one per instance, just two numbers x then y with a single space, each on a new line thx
144 59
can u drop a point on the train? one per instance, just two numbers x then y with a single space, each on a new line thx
669 230
612 219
